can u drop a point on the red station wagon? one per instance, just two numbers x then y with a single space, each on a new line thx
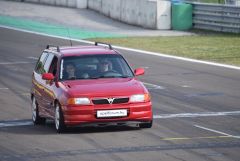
86 86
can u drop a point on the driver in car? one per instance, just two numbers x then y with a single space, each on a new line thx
105 66
105 69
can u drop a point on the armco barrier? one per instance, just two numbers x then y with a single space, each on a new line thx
216 17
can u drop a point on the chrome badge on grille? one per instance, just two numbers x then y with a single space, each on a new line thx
110 100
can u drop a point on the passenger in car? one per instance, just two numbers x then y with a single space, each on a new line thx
70 70
105 66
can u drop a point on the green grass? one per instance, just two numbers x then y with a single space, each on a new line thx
221 48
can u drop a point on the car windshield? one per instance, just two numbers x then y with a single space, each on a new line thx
94 67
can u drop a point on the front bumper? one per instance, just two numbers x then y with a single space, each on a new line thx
87 115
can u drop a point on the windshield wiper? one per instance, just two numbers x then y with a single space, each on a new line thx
102 76
111 76
124 76
96 77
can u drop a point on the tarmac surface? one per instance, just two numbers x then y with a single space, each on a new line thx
195 106
196 110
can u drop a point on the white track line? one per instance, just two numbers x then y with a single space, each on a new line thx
190 115
163 116
186 86
31 57
178 58
15 123
12 63
3 88
134 50
154 86
218 132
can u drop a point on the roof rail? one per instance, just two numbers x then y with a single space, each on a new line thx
109 45
53 46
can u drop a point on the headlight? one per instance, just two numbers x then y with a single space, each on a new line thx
140 98
79 101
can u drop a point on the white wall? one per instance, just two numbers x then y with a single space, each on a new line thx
164 15
237 2
136 12
61 3
95 5
33 1
51 2
154 14
81 4
64 3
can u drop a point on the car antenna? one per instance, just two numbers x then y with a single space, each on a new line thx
69 36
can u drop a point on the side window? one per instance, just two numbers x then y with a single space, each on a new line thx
48 63
39 66
53 66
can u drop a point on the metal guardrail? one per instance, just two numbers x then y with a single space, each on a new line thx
216 17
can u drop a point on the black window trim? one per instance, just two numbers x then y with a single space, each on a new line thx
47 70
43 61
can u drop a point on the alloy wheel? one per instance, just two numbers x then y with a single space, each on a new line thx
57 117
34 109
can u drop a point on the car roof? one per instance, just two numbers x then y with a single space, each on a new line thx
81 50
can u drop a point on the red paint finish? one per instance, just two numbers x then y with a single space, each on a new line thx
47 76
139 71
118 89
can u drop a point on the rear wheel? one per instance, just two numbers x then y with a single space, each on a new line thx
37 120
59 119
146 125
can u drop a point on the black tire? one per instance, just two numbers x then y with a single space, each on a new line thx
59 119
146 125
37 120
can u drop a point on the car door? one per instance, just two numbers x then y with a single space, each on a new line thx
50 88
37 82
47 90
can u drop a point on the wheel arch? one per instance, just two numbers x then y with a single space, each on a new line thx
32 95
56 102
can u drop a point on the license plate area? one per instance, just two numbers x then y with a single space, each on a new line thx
112 113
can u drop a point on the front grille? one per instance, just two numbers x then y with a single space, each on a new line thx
105 101
120 100
100 101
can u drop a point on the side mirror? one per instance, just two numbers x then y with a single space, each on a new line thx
47 76
139 71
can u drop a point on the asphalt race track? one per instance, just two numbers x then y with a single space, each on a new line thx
196 112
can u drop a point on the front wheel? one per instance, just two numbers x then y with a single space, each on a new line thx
37 120
146 125
59 120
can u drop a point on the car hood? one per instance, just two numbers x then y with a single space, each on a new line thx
104 87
